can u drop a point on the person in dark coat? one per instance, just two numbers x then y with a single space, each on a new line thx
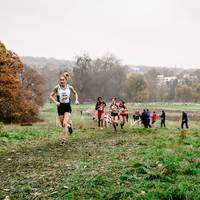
184 120
162 117
144 119
148 118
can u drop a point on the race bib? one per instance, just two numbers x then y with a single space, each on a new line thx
64 98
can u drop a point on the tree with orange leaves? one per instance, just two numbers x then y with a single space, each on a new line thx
15 101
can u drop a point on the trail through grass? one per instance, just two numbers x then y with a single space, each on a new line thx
135 163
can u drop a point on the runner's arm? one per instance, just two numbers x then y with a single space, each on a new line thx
52 98
96 107
125 109
75 94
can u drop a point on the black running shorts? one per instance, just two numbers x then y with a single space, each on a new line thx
114 114
63 108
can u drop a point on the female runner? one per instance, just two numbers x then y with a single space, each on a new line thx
114 113
122 113
63 103
100 108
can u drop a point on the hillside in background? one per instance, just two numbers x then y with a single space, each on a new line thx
41 63
49 68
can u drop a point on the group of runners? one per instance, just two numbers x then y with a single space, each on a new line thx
116 113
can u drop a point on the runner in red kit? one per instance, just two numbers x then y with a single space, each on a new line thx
100 106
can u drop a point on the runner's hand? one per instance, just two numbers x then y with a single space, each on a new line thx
57 103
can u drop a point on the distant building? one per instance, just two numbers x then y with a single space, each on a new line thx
162 80
184 79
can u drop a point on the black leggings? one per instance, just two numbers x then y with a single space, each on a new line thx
162 123
186 124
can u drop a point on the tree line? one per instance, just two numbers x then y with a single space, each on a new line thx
107 77
24 89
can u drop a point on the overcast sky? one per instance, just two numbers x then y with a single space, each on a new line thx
145 32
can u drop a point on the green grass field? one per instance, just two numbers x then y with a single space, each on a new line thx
135 163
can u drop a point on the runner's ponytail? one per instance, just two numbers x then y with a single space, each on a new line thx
66 75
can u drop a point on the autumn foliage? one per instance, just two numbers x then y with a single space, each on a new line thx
16 102
36 84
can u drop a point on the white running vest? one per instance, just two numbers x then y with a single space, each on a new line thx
63 94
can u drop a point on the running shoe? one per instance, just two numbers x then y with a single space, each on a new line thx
62 142
70 129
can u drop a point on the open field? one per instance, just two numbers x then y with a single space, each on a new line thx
135 163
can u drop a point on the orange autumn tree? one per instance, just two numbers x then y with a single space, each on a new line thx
15 101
